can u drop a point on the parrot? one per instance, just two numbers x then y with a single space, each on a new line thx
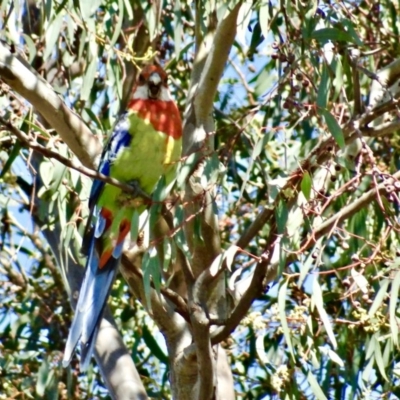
144 147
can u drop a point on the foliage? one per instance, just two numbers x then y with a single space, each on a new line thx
304 176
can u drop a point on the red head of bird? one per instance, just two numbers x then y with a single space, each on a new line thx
152 101
152 84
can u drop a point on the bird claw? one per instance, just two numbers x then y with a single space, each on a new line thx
137 190
136 197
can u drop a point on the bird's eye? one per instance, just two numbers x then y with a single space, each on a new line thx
141 79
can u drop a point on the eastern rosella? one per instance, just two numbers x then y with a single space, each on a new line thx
144 147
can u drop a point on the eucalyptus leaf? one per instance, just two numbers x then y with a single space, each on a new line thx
332 34
319 394
53 35
333 127
282 314
394 321
306 184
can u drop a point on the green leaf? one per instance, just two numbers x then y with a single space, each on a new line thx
153 345
135 226
66 236
152 17
147 280
306 266
197 231
59 171
281 213
162 190
387 353
179 238
260 348
282 314
48 9
53 35
114 74
212 169
154 214
263 81
88 8
326 34
335 358
379 359
13 155
394 296
324 88
282 255
178 28
264 13
333 127
319 394
243 21
43 374
227 255
82 43
260 146
151 273
128 8
95 119
380 296
118 26
89 79
185 168
31 47
116 221
338 82
366 374
306 185
155 271
319 303
46 173
360 280
350 28
371 347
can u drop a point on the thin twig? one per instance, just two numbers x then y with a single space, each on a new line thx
71 163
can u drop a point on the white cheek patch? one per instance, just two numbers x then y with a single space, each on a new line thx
164 94
142 93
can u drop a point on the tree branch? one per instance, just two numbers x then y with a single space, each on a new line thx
205 361
71 163
210 61
215 64
116 365
349 210
384 78
384 129
21 78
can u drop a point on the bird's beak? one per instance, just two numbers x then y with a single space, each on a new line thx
154 85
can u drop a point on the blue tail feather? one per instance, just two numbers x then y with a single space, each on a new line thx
95 289
117 252
100 226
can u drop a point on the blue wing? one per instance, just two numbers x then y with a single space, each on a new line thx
119 139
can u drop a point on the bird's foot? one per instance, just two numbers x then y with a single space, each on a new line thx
135 198
137 190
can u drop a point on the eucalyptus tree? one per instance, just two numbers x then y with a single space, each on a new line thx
272 269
